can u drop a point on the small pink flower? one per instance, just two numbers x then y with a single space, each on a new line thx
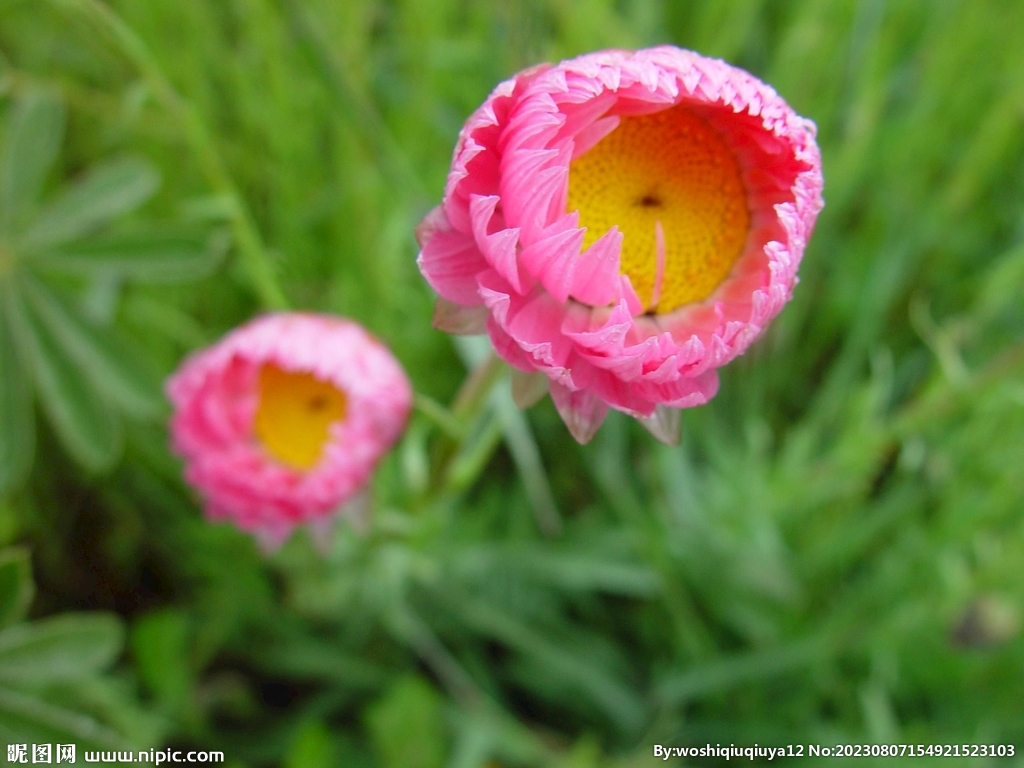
282 422
624 223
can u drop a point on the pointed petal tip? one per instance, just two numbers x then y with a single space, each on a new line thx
357 511
434 221
270 539
582 411
665 424
458 319
528 388
321 531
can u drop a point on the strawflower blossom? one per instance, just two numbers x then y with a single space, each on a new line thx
282 422
623 224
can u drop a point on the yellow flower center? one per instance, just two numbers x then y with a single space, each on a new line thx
294 414
673 187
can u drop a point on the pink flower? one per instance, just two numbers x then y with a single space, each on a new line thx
282 422
624 223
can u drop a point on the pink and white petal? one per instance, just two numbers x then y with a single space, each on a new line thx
689 392
586 139
539 199
450 262
458 319
581 410
533 131
622 395
534 322
321 531
607 338
356 511
596 279
665 424
434 221
507 349
237 478
528 388
500 249
581 115
553 261
270 537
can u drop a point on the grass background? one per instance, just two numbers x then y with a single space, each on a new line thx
834 554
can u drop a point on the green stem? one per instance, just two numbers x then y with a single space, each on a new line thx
475 389
251 250
440 416
466 408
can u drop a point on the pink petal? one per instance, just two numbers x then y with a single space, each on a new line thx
528 388
665 424
458 319
589 136
582 411
573 316
553 261
450 262
232 472
596 277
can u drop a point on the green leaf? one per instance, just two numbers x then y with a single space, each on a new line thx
150 256
65 647
17 425
34 133
108 191
312 747
118 372
27 718
16 585
110 700
81 416
556 657
10 522
726 673
160 645
306 658
407 727
101 297
571 571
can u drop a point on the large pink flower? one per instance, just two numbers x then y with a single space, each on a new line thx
624 223
283 421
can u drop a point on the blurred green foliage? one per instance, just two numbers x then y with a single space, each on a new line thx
834 554
51 689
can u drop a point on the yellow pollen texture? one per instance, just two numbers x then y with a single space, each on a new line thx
294 414
670 171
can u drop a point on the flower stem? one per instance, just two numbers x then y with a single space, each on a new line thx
466 408
440 416
474 390
251 250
